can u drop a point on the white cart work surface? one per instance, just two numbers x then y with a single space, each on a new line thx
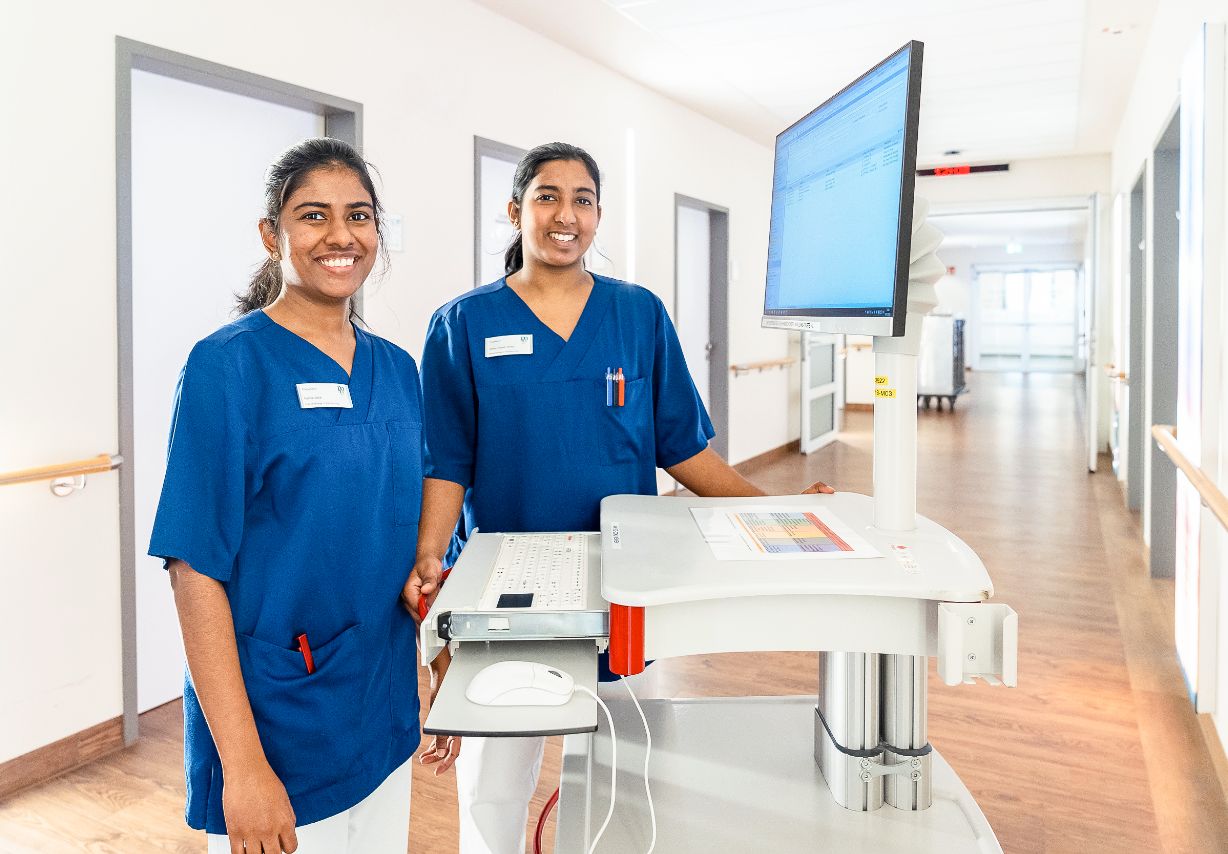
848 771
731 776
694 603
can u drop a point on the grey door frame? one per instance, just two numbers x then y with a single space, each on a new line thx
342 120
483 147
1137 434
718 313
1163 258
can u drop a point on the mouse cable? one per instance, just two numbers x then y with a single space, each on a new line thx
647 755
613 765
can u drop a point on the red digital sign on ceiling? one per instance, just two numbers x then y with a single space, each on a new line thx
964 169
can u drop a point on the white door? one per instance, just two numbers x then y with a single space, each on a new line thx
694 293
1087 338
494 227
822 389
198 162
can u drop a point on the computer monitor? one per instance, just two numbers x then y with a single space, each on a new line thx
842 200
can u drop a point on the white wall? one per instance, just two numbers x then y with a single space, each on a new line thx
430 76
1154 96
1027 180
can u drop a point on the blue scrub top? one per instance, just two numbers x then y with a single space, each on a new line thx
530 436
308 518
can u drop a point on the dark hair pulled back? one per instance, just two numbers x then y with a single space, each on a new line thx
526 171
285 176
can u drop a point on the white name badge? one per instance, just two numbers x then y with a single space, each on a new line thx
324 396
509 345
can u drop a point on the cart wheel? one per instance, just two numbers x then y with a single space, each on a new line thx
925 402
951 400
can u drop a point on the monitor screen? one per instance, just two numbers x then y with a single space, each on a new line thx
842 193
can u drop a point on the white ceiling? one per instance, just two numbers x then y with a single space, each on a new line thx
1003 79
1029 228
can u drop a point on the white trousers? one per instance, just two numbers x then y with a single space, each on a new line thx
378 824
496 779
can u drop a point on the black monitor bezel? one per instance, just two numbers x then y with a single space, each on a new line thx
908 179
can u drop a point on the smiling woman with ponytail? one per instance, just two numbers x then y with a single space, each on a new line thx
286 535
284 177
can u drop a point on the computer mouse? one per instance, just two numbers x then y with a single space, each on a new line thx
520 683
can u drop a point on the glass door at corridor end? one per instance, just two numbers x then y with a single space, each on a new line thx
1027 320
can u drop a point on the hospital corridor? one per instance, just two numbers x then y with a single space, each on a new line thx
1097 751
618 427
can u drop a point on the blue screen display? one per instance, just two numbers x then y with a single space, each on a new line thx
836 200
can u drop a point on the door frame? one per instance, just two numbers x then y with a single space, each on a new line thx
342 120
483 147
718 313
1163 235
1096 281
1138 436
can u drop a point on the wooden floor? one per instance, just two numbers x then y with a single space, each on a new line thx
1096 751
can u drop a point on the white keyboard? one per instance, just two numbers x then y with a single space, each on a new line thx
540 571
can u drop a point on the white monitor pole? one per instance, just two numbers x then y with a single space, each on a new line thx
870 700
895 386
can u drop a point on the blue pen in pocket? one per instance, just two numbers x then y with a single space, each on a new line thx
609 387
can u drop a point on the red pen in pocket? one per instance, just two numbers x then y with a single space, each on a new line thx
306 651
622 388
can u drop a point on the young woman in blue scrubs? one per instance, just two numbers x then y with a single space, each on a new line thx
288 515
521 435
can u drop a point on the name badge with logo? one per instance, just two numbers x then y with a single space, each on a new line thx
509 345
324 396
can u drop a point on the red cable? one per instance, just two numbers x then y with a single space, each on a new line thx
541 822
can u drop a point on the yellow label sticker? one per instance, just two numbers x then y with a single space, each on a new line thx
881 380
884 392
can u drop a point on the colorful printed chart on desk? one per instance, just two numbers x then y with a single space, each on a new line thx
778 533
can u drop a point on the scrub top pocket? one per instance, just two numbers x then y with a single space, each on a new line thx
626 434
307 721
405 438
404 683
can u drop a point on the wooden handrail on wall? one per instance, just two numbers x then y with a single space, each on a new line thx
1166 437
94 465
747 367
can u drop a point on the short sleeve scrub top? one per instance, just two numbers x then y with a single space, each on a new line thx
522 419
308 517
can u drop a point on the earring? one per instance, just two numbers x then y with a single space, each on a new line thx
275 256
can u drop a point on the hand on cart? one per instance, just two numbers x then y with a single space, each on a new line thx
423 585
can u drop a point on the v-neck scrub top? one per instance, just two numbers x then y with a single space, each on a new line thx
309 519
530 435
